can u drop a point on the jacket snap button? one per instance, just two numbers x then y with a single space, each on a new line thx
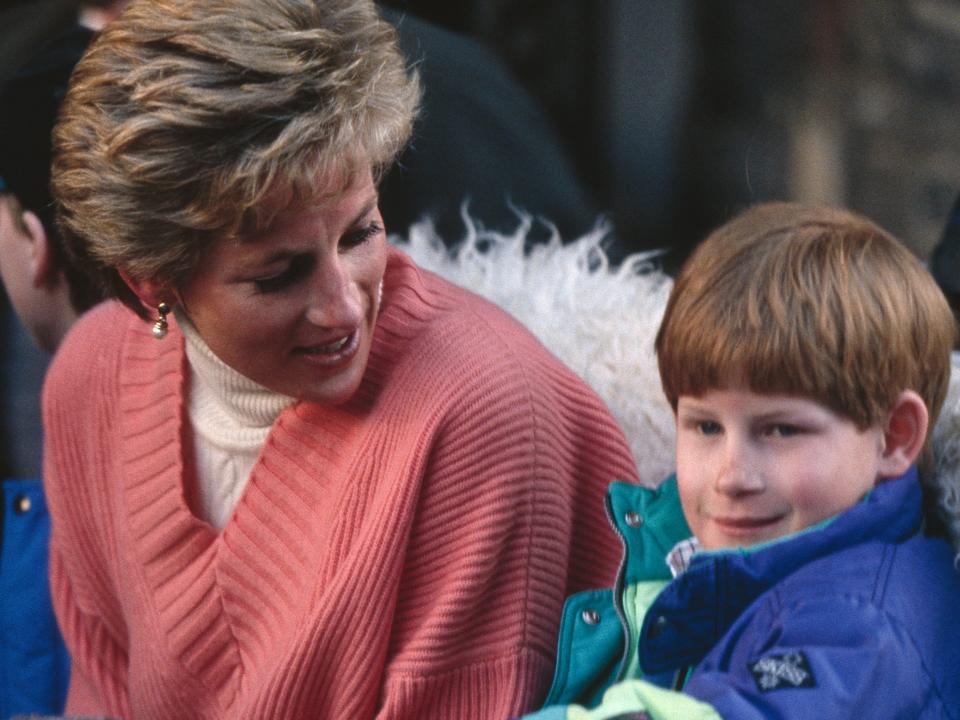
633 519
657 627
590 617
21 504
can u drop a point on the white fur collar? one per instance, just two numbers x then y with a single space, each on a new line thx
602 323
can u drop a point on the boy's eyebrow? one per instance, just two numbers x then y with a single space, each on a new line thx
693 406
690 400
777 415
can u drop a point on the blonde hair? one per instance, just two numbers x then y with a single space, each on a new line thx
814 302
186 121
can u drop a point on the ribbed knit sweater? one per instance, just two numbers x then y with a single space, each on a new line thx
404 555
230 417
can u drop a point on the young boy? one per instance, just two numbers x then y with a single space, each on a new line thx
806 354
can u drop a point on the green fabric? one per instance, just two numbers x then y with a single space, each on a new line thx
662 526
554 712
593 655
645 571
637 599
584 647
632 696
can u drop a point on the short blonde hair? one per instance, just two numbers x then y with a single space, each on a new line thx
185 119
814 302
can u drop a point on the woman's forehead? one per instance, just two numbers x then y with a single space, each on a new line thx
325 194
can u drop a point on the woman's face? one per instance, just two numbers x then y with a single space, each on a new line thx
293 306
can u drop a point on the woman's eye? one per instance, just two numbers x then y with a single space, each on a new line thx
361 235
284 279
273 284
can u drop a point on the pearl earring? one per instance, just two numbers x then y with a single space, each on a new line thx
160 326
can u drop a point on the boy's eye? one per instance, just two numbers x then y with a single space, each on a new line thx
782 430
361 235
709 427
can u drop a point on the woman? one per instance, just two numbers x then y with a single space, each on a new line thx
317 482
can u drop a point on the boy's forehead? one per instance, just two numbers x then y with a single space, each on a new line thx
743 399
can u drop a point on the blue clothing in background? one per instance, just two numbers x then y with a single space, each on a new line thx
34 665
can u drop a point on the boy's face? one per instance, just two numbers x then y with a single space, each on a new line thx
754 467
14 259
43 311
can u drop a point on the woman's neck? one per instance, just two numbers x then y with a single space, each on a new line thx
246 403
230 416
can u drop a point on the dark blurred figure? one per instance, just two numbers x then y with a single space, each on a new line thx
32 95
945 260
481 139
47 295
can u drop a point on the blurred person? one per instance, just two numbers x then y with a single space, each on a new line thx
292 474
47 295
945 259
95 14
481 143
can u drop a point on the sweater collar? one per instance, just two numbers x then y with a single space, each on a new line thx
692 613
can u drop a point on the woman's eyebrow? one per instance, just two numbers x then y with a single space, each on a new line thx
369 207
278 256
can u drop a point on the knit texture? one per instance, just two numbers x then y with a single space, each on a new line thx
404 555
230 416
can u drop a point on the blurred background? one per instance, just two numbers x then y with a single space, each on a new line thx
677 113
672 115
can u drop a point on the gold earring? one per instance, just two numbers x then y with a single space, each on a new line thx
160 326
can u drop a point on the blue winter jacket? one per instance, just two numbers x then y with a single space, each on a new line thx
857 617
34 665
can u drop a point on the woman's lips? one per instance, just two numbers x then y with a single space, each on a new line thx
331 353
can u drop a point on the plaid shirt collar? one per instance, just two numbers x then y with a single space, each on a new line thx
678 559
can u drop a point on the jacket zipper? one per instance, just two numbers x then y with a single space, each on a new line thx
618 589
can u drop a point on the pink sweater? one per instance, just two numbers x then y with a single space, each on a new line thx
405 555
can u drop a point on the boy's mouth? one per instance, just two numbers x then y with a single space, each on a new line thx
747 525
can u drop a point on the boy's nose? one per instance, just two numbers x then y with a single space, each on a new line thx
738 473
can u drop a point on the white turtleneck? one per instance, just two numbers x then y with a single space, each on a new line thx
231 417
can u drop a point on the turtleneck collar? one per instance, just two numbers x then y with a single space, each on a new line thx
246 403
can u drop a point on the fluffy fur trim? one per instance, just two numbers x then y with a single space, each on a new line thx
946 451
602 321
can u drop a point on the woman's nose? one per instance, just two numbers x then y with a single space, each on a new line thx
335 300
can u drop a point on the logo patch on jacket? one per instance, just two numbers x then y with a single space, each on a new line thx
790 670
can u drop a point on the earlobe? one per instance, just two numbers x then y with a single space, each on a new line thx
150 292
904 434
43 266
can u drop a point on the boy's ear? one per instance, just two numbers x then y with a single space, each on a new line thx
904 434
43 264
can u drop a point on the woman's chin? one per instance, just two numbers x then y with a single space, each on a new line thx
329 383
